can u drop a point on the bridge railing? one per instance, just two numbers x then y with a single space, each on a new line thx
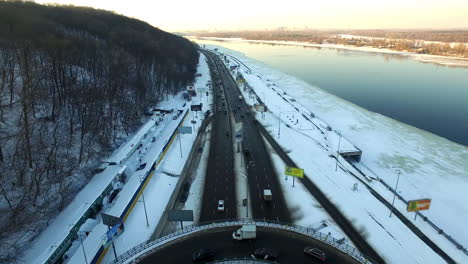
147 248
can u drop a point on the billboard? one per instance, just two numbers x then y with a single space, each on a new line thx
185 129
296 172
238 130
260 108
196 107
112 234
418 205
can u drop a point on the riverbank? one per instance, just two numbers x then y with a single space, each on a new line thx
426 58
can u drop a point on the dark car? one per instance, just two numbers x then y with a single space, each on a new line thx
142 166
227 133
242 116
203 254
315 252
246 151
266 253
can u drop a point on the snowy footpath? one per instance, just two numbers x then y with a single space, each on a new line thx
307 122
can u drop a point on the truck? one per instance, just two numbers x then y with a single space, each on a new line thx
267 195
245 232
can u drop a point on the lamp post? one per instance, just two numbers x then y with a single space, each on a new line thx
394 192
338 151
82 246
250 164
144 204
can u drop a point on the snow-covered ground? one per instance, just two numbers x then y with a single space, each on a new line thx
161 186
431 166
442 60
157 192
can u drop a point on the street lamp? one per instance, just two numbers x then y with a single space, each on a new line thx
394 192
338 151
250 164
144 204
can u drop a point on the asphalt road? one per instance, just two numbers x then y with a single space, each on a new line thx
261 174
219 179
289 246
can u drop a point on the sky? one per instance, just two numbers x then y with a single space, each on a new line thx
184 15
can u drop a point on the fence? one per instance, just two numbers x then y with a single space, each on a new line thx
438 229
142 250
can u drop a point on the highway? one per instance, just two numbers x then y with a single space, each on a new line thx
289 246
219 179
260 172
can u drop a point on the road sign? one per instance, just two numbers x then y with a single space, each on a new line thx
296 172
418 205
185 129
180 215
112 234
238 130
196 107
110 220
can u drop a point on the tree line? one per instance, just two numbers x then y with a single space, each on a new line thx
74 81
445 43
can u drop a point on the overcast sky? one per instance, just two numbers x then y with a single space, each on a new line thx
179 15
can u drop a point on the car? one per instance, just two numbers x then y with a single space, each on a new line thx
246 151
315 252
235 111
227 133
266 253
203 254
142 166
221 206
242 116
225 112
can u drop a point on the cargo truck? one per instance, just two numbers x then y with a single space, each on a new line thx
245 232
267 195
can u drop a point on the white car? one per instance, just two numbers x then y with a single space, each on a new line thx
221 206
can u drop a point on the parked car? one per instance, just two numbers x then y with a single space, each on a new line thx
221 206
246 151
315 252
203 254
142 166
266 253
227 133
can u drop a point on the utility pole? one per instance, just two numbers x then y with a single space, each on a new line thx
180 143
394 193
82 246
144 204
279 124
338 151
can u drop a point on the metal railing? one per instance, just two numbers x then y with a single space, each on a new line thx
426 219
147 248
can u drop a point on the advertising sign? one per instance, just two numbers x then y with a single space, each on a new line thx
112 234
196 107
185 129
238 130
418 205
296 172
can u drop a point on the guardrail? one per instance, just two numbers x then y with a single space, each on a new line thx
426 219
144 249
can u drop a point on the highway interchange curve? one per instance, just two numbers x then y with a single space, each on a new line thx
289 246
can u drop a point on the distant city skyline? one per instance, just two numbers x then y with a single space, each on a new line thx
292 14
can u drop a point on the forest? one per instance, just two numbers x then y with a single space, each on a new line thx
74 82
444 43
